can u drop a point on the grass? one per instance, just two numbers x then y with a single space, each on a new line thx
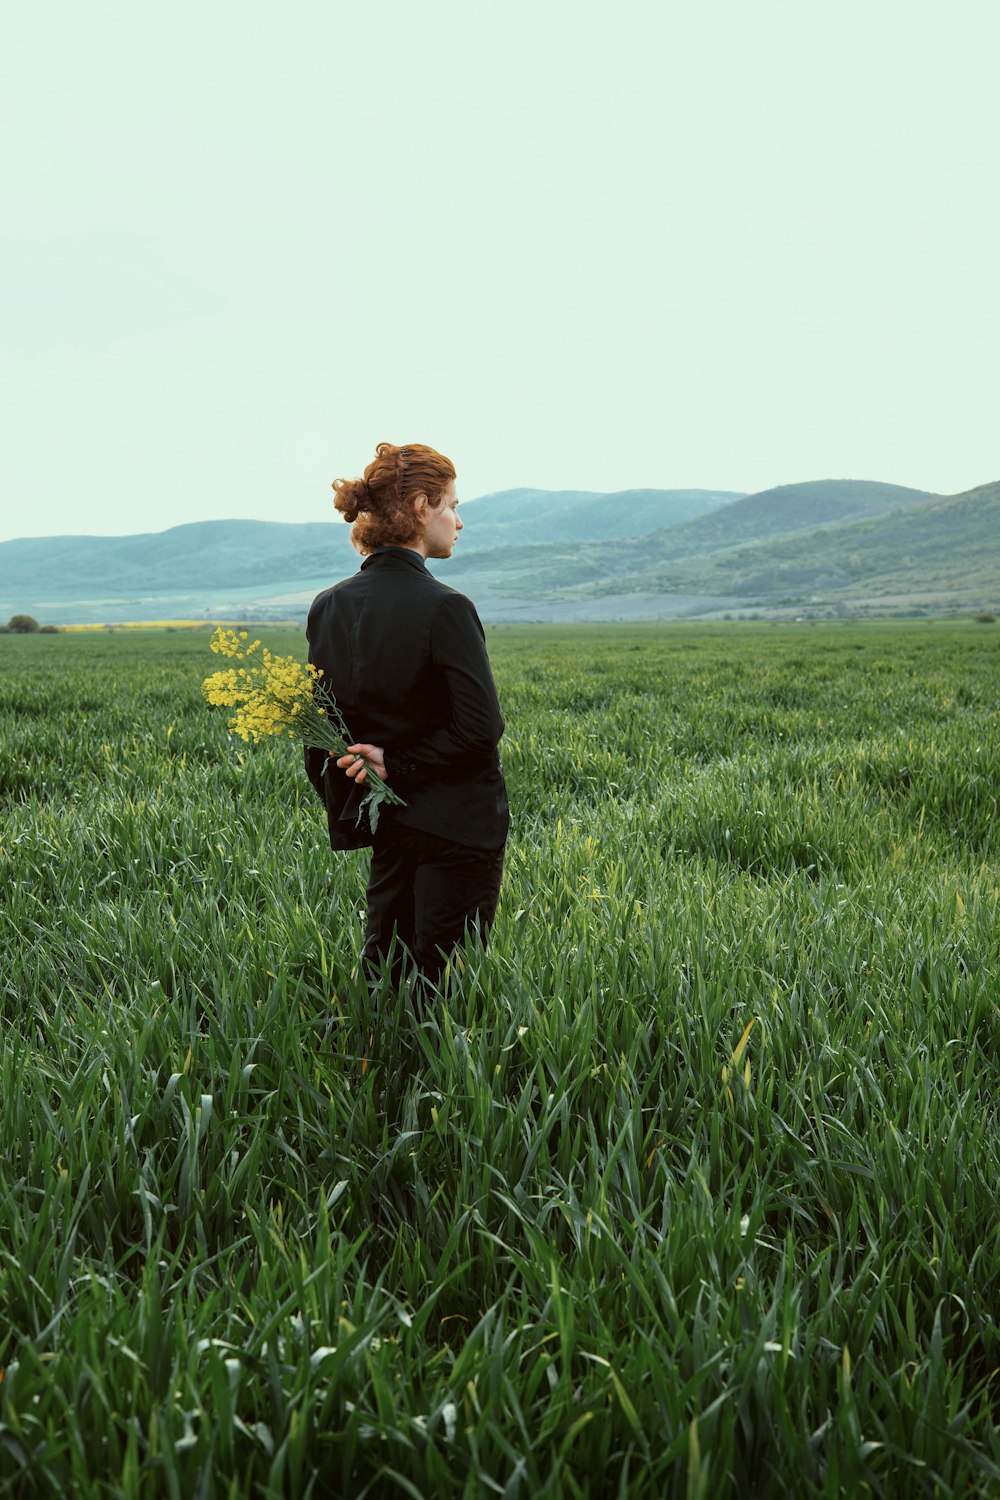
687 1189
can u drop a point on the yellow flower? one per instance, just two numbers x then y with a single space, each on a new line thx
277 695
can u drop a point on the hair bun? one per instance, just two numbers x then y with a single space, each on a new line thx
351 497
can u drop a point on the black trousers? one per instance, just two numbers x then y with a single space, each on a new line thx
428 892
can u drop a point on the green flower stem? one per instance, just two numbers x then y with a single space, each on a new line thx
322 726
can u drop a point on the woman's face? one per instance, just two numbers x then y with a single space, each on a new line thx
441 526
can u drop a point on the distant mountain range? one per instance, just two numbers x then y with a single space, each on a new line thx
825 547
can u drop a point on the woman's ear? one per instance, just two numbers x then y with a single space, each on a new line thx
421 506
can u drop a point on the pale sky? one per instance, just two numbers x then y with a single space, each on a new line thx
591 244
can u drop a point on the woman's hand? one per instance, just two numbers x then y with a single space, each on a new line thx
362 758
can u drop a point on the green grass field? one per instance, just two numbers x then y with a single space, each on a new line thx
691 1186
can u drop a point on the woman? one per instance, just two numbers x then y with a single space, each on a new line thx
405 657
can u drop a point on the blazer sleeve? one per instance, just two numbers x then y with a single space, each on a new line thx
468 742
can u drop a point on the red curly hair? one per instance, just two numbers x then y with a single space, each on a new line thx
381 504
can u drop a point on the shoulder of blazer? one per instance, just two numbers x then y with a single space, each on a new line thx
321 598
415 571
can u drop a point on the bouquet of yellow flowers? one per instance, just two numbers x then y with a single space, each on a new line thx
278 695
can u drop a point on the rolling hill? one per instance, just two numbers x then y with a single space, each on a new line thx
206 561
791 509
942 545
824 547
528 517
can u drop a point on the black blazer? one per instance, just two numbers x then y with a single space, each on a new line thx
405 658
